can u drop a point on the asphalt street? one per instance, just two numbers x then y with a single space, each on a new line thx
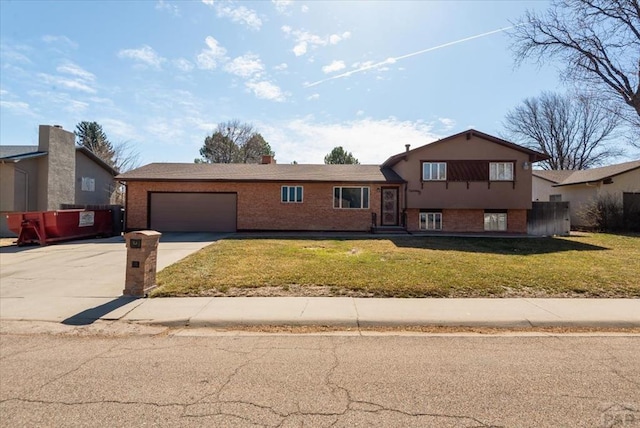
195 377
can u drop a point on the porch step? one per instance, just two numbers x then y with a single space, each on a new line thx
390 229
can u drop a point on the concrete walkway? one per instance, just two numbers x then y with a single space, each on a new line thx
344 312
80 282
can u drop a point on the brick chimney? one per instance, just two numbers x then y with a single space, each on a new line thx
268 159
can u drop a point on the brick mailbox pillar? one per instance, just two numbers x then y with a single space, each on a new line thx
142 257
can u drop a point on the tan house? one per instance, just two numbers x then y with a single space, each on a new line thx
55 172
582 188
469 182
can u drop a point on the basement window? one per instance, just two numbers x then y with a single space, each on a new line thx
495 221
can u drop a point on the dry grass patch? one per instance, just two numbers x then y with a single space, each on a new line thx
591 265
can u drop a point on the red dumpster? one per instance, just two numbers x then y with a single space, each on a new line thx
44 227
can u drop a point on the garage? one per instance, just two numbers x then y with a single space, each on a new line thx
192 212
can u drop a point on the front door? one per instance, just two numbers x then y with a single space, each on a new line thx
389 206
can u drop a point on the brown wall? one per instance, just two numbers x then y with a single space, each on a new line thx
259 206
476 194
468 220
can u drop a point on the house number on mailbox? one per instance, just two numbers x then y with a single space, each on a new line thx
136 243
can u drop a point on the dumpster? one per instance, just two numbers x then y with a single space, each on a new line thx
45 227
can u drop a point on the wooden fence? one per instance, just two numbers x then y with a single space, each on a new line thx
549 219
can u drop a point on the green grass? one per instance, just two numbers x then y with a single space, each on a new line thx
591 265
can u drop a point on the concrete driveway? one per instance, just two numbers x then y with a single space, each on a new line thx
57 281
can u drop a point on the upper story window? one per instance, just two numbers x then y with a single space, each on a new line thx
351 197
501 171
434 171
291 194
88 184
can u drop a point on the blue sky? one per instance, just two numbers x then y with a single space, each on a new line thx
309 75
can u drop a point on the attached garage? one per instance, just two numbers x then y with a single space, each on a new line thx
192 212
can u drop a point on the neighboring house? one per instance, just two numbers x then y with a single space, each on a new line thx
582 188
469 182
55 172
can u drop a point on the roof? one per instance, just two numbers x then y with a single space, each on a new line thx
599 174
17 153
534 156
261 172
554 176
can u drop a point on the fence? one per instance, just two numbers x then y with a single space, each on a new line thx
631 211
548 219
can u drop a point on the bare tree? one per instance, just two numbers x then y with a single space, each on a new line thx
597 40
573 130
234 142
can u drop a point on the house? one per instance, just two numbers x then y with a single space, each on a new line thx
468 182
621 182
55 172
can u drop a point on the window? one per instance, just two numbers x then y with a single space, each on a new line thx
501 171
495 221
88 184
431 221
434 171
292 194
351 197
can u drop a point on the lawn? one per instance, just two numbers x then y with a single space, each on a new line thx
589 265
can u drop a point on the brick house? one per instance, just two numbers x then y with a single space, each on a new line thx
468 182
53 173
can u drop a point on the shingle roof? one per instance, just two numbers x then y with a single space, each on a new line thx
19 152
534 156
565 178
259 172
555 176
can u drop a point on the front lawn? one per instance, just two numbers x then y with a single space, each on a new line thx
589 265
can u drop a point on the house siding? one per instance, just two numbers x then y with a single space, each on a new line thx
259 205
104 184
472 194
468 220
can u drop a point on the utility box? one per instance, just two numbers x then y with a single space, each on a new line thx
142 259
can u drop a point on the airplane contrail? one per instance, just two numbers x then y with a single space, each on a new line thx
392 60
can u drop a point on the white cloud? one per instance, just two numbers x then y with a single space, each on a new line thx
447 123
282 6
335 38
208 59
145 56
240 15
333 67
305 40
183 64
304 8
248 65
78 85
17 107
208 2
165 5
360 113
281 67
119 130
266 90
313 97
59 39
76 70
300 49
371 141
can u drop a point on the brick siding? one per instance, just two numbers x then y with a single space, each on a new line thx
466 220
259 205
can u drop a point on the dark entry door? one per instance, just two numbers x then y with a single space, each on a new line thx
389 206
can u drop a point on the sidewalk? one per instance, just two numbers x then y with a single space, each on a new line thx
344 312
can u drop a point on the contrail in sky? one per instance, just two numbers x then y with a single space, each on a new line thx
396 59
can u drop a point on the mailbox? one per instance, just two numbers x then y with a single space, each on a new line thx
142 260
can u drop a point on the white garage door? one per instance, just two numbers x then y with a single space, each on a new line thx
193 212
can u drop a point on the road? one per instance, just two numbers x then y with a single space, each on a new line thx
189 378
